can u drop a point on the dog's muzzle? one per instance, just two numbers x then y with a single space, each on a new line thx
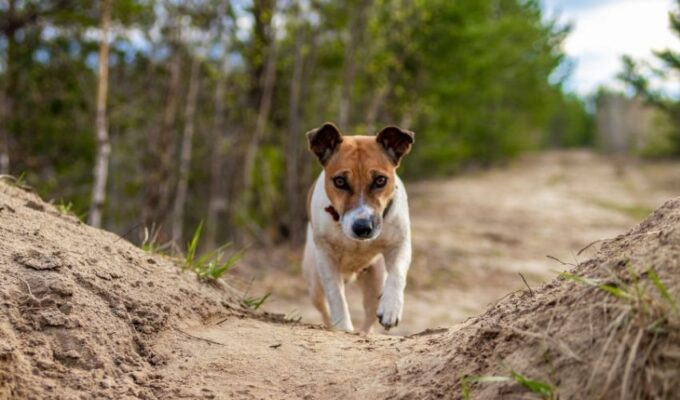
361 223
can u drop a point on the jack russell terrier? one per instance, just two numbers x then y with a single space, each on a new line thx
358 226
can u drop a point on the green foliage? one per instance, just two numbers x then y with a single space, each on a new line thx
637 76
477 80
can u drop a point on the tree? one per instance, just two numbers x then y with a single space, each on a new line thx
101 169
638 76
356 32
185 151
160 146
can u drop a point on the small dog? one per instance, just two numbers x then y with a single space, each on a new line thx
358 226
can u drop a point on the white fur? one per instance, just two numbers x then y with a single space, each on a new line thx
332 257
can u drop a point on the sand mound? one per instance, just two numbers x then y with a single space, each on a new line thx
80 308
607 330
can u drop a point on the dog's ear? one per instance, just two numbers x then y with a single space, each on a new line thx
324 141
396 142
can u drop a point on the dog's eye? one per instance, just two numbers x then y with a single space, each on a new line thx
340 182
379 181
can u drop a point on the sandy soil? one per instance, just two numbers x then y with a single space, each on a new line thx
86 315
474 234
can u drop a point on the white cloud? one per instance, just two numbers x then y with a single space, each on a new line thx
605 30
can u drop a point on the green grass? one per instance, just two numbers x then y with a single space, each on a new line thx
543 389
255 302
67 208
211 265
635 211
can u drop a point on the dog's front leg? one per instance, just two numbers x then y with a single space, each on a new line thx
397 262
334 287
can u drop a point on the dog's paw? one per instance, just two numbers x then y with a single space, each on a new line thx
390 309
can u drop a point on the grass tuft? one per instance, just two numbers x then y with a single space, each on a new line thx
545 390
255 302
212 265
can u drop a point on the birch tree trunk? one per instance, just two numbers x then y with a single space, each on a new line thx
357 30
101 168
185 152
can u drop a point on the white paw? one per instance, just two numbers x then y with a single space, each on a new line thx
390 308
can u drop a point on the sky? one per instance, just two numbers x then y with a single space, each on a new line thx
604 30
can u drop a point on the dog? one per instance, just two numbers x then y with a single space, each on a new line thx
359 225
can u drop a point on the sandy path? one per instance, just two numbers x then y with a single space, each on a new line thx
473 234
274 361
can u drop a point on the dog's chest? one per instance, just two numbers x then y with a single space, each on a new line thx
351 256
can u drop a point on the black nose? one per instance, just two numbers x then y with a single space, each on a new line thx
363 228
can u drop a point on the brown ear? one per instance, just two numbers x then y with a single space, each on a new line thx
396 142
324 141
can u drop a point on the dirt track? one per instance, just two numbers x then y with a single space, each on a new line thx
84 314
473 234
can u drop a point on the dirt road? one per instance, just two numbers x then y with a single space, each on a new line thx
473 235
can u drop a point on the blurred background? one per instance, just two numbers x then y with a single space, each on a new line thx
542 126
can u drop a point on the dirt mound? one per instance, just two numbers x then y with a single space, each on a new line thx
80 308
608 329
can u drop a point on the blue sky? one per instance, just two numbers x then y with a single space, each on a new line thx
604 30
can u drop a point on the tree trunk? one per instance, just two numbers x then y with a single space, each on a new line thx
185 155
295 205
217 202
4 136
357 30
7 99
375 106
159 157
101 168
262 117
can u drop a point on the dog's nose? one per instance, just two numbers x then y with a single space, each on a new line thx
363 228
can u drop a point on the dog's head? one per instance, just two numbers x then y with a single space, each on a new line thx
360 175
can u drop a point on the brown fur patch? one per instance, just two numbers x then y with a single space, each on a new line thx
360 159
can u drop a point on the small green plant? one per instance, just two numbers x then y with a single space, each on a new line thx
150 241
67 208
663 291
543 389
255 302
211 265
21 179
607 287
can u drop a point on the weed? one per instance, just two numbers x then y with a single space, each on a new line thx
543 389
18 182
150 240
211 265
68 209
663 291
645 317
255 302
